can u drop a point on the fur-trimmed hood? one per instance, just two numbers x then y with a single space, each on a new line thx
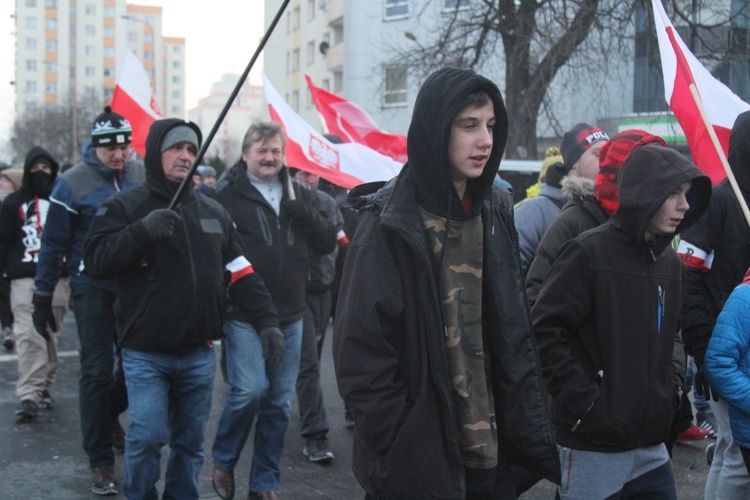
577 188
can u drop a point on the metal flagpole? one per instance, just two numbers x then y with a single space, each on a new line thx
199 157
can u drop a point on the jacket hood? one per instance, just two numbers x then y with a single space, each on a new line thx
35 153
156 180
739 150
443 95
648 176
577 188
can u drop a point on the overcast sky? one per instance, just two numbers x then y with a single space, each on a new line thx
221 36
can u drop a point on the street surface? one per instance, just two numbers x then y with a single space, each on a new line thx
44 459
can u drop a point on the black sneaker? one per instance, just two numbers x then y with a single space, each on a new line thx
317 450
27 413
104 482
118 436
706 421
47 401
710 453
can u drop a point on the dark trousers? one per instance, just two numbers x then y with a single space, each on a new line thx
6 315
102 392
309 393
746 457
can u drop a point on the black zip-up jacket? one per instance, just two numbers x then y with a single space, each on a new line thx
389 338
607 319
22 218
721 237
171 293
276 246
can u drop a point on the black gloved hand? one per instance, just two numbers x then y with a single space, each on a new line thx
298 211
160 223
702 388
272 341
43 315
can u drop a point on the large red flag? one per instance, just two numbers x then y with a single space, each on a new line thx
352 124
722 106
346 165
134 99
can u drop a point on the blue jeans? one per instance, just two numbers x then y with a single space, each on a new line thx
256 392
102 395
170 400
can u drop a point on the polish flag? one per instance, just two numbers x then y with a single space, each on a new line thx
352 124
681 70
346 165
135 100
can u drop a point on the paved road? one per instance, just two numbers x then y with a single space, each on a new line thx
44 460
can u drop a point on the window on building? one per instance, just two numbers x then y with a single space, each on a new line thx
149 20
31 65
148 37
175 94
109 31
89 9
295 60
50 66
176 64
132 37
50 87
31 87
176 79
288 22
310 10
50 4
176 111
295 100
295 18
90 71
89 50
109 72
326 84
288 63
31 43
50 45
50 24
396 9
89 30
30 3
108 93
308 99
109 11
338 34
148 55
89 91
395 85
176 49
338 82
455 4
31 23
109 52
310 53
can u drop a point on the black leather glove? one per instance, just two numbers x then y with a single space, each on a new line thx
160 223
298 211
702 388
43 315
272 341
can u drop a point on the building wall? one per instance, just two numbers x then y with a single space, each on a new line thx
74 48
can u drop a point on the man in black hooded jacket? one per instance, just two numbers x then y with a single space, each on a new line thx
433 345
22 220
173 270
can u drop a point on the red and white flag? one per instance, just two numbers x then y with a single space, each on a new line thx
135 100
681 69
346 165
352 124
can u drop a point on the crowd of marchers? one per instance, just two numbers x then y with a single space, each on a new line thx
479 347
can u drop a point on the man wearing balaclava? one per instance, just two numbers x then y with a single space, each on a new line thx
22 222
169 267
433 343
76 196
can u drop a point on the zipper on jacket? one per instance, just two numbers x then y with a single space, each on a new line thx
660 307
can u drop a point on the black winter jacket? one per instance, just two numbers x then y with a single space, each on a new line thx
716 251
607 319
22 219
171 293
389 339
277 248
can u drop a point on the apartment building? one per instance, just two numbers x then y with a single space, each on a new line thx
71 50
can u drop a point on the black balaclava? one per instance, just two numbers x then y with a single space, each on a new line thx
39 183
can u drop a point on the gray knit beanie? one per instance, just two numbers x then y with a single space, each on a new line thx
181 133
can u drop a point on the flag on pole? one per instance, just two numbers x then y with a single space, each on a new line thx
352 124
346 165
135 100
681 69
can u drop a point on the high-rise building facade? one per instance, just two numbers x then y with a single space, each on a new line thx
71 50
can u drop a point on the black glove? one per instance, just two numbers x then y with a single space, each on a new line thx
160 223
43 315
702 388
272 341
298 211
